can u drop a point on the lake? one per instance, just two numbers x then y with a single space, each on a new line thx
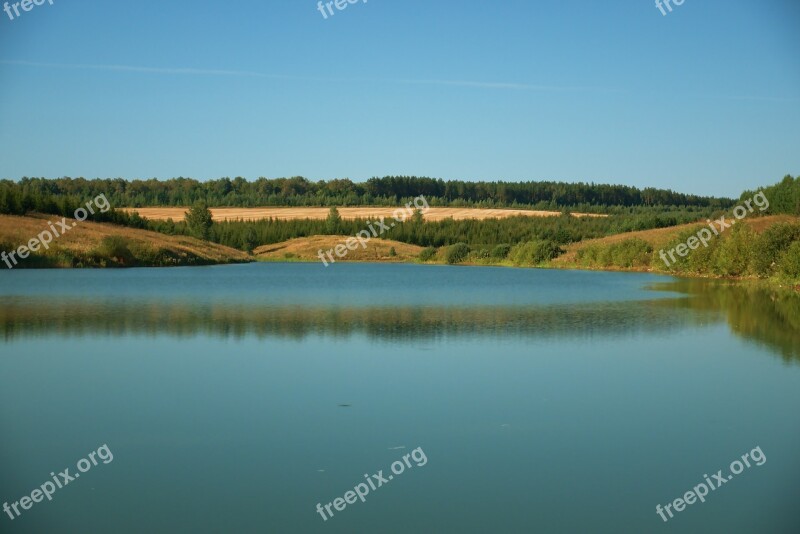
237 398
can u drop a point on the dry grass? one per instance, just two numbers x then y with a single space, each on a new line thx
85 236
306 248
433 214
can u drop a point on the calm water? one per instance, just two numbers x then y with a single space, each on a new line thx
236 398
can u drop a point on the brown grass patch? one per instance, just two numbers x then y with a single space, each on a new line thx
305 249
86 236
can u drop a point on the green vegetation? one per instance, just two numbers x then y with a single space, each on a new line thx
333 222
534 252
199 221
784 197
387 191
789 262
630 253
456 253
500 252
116 249
740 252
427 254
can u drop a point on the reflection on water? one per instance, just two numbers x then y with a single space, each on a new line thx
768 317
765 316
67 317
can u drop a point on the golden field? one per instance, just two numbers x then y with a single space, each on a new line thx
433 214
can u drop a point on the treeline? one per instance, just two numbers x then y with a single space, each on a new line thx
784 197
62 197
387 191
16 200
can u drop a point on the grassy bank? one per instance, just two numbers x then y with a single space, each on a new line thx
89 244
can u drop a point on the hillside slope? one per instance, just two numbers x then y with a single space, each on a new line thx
306 249
89 244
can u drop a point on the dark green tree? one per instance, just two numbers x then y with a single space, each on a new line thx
333 222
199 221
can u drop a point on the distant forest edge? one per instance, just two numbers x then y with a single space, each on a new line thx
387 191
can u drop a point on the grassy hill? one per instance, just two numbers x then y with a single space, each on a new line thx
306 249
658 238
89 244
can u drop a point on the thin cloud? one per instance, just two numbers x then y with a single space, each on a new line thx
254 74
155 70
451 83
502 85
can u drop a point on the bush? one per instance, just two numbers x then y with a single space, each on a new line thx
633 252
772 245
789 264
482 254
680 263
392 252
427 254
534 252
115 248
456 253
733 254
500 252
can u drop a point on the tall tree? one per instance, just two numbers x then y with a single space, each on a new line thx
199 221
334 221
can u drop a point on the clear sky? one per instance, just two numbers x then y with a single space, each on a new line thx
704 100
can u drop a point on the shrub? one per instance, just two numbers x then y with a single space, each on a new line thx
534 252
771 245
681 263
733 254
482 253
392 252
115 248
500 252
456 253
427 253
633 252
789 264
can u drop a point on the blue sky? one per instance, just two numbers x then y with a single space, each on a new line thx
704 100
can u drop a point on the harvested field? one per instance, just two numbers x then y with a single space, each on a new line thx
433 214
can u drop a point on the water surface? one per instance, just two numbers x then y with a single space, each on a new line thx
236 398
